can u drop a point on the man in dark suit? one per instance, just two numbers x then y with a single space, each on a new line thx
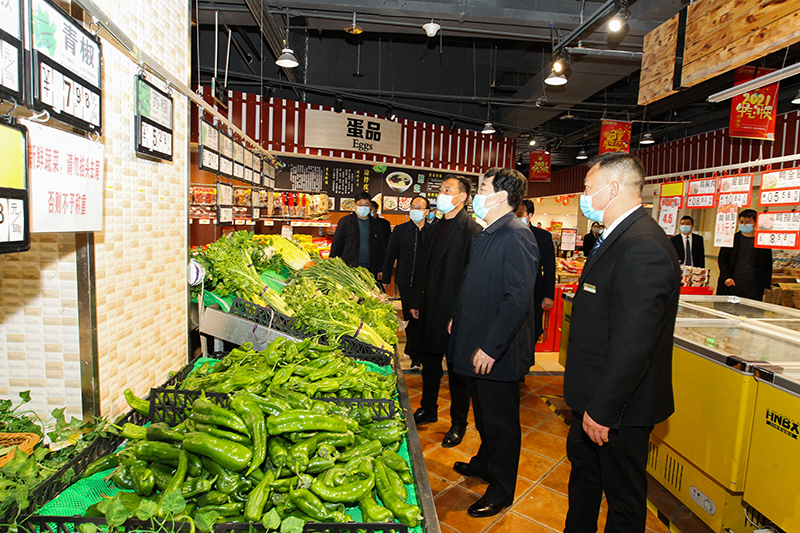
546 279
359 239
385 225
745 270
618 377
688 241
446 246
494 334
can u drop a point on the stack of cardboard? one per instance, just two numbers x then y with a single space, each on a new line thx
785 288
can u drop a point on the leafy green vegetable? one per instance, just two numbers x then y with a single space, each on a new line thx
272 520
292 524
205 520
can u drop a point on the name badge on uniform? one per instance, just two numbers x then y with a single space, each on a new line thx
589 288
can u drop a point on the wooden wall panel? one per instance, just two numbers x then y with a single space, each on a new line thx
658 62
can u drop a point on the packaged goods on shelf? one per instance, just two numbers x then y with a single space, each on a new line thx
694 276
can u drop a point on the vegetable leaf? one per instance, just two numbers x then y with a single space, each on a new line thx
174 502
87 528
25 395
204 521
146 510
272 520
292 524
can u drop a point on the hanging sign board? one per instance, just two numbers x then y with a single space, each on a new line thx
778 230
356 133
753 113
255 202
672 194
208 157
65 63
11 68
238 161
153 121
14 207
615 136
736 190
66 181
780 187
224 204
668 216
701 193
248 166
539 166
725 226
225 155
568 238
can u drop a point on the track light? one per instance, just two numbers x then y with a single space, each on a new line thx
796 100
555 79
338 104
558 65
353 29
431 28
532 143
582 155
488 129
390 113
647 138
618 21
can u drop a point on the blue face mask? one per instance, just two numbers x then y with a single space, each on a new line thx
746 228
417 215
431 215
362 211
588 209
444 203
479 205
686 230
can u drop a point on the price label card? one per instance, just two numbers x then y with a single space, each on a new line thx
239 222
225 146
224 194
725 226
226 167
780 187
736 190
14 206
256 213
568 238
770 197
672 194
153 120
209 136
224 216
778 230
701 193
11 61
668 218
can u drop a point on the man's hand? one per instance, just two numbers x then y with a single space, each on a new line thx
547 303
766 291
386 287
730 283
482 363
380 276
597 433
450 326
414 313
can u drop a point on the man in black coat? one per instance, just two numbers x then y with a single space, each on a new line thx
405 247
386 226
686 240
745 270
446 246
359 239
494 334
618 377
545 289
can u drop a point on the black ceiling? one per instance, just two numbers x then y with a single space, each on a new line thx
489 60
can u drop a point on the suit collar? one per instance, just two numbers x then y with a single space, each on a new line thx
607 243
500 222
457 223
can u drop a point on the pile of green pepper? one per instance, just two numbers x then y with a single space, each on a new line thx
277 446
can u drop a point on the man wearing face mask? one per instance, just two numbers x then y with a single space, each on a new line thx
745 270
385 225
446 247
494 334
590 238
688 245
618 376
405 247
359 239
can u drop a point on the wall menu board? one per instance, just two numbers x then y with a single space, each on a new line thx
14 209
65 64
392 187
153 121
12 78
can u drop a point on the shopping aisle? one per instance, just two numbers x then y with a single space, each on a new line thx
541 500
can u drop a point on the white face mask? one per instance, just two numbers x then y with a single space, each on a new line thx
444 203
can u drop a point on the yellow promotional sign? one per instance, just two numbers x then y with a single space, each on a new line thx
14 216
12 158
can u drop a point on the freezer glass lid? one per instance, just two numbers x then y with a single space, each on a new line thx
742 307
740 341
692 312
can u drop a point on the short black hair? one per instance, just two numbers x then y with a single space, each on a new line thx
361 195
687 217
511 181
749 213
464 185
627 168
529 207
374 204
595 224
427 202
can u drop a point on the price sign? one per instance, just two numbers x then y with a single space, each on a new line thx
255 202
568 238
725 226
778 230
14 213
65 64
238 161
224 204
668 217
701 193
225 155
209 147
153 121
736 190
781 187
672 194
11 68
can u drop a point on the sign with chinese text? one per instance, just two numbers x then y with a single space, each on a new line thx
780 187
14 207
248 167
539 166
208 158
778 230
356 133
153 121
11 68
225 155
725 226
255 202
65 63
701 193
753 113
736 190
224 204
238 161
672 194
615 136
66 181
668 217
568 238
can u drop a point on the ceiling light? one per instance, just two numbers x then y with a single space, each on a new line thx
619 20
390 113
488 129
582 155
556 79
287 59
431 28
558 65
647 138
566 116
532 143
796 100
338 104
353 28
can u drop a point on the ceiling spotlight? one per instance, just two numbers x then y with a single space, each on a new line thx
488 129
287 59
647 138
532 143
431 28
582 155
566 116
618 21
390 113
353 28
338 104
452 124
556 79
796 100
558 65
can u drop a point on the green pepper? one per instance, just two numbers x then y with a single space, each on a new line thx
395 446
339 440
254 420
225 509
281 377
317 465
137 404
104 463
307 502
160 431
163 474
254 507
300 452
396 483
295 399
317 347
386 436
212 498
409 515
196 486
143 480
301 481
161 452
327 370
227 481
175 483
367 449
121 477
372 511
195 465
132 431
228 454
219 433
269 405
278 451
398 464
300 420
219 416
352 490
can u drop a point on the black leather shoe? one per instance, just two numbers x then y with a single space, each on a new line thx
482 508
421 416
463 469
454 436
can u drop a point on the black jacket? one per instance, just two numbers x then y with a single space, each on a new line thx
546 280
727 265
436 307
386 226
588 243
619 359
405 247
494 307
346 243
698 249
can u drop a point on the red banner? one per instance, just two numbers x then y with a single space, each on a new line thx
539 166
753 113
615 136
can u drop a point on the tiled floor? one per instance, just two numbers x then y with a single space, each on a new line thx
541 500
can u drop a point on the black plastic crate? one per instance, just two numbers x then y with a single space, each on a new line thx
315 527
171 405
